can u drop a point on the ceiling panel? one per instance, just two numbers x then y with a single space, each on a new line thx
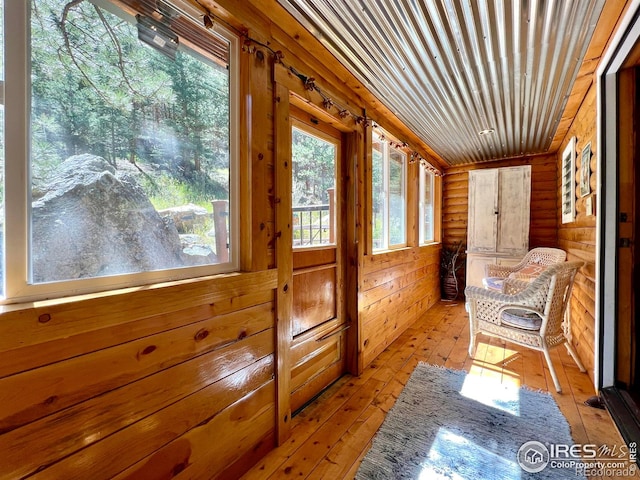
452 69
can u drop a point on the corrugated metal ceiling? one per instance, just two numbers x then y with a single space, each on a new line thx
451 69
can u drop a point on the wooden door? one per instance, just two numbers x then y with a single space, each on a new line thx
483 210
318 318
514 199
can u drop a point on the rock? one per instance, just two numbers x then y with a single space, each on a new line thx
186 217
196 250
91 221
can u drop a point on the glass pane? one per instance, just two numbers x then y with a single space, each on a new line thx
396 198
377 195
313 193
426 206
2 148
129 149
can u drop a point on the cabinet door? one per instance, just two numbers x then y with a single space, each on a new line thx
483 211
514 198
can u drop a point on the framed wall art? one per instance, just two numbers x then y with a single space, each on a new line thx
585 170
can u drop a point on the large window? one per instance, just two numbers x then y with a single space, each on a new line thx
129 147
388 195
426 206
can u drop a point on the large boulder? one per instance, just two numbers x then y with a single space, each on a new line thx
91 221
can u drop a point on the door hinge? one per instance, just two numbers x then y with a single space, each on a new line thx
624 242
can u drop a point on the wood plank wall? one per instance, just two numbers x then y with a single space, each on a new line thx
397 287
107 386
543 220
578 238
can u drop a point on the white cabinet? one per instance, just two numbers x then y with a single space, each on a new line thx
498 223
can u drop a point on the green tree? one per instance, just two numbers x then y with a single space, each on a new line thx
96 89
313 168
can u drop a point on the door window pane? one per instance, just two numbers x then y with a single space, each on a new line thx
313 189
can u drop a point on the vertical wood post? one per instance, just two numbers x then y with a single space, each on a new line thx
332 214
220 215
354 208
256 218
412 199
284 261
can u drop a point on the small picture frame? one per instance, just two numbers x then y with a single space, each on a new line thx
585 170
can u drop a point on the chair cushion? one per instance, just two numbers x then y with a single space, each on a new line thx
521 319
531 270
493 283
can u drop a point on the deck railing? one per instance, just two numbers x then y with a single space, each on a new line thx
313 225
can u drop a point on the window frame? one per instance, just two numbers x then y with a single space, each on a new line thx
17 201
425 173
386 159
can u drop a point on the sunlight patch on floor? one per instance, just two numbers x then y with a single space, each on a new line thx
454 457
493 362
492 393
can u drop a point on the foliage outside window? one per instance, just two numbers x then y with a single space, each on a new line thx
130 152
313 189
388 197
426 206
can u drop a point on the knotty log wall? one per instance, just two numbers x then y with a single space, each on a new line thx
578 238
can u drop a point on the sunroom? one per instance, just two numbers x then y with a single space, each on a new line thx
226 228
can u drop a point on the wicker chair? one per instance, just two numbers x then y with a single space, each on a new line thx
528 268
531 316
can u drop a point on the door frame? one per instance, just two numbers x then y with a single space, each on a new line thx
624 40
287 91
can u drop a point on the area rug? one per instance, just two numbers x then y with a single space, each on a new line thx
450 425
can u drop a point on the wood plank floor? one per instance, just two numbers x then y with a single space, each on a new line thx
333 433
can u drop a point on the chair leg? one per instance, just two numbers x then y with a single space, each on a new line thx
473 343
552 371
575 356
